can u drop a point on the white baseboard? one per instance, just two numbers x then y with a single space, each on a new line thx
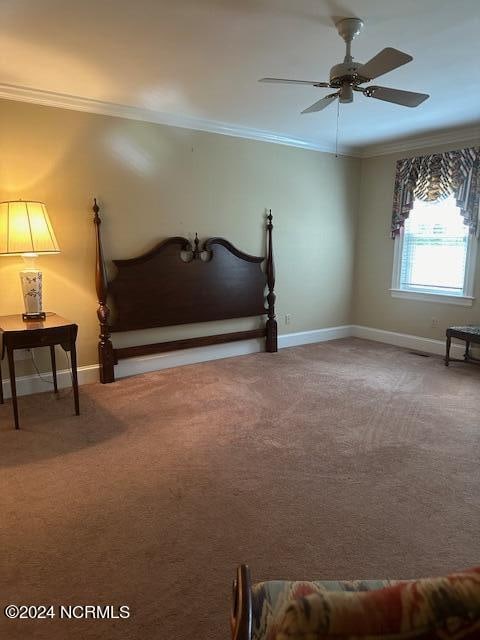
34 384
133 366
406 340
316 335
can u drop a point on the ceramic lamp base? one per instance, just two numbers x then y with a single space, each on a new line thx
31 280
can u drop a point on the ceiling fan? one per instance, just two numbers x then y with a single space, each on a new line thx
349 75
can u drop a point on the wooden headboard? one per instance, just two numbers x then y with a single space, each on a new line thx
178 282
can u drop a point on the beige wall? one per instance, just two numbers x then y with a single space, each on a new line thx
373 305
154 181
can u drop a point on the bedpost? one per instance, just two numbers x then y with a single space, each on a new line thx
271 345
105 347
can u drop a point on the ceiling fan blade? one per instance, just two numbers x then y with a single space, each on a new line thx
321 104
387 60
286 81
397 96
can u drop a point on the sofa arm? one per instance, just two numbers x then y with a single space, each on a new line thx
241 616
256 607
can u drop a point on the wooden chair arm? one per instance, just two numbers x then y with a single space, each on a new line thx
241 616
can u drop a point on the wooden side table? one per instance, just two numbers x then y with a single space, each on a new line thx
17 334
468 334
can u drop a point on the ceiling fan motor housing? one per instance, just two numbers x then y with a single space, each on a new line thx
346 73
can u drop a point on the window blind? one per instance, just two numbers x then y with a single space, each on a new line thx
434 250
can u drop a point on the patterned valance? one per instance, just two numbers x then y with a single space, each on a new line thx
435 177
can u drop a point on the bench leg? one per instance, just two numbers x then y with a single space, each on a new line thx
466 355
447 354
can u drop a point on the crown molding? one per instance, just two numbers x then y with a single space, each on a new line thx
89 105
469 135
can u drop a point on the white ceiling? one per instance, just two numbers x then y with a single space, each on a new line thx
199 60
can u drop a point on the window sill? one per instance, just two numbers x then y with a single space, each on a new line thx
462 301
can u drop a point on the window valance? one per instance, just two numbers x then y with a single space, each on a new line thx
435 177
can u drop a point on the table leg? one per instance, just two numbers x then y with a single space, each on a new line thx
54 368
466 355
1 384
13 386
73 357
447 355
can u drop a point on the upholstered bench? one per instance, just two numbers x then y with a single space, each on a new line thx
469 334
433 608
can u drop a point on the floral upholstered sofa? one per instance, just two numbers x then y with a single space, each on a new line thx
428 609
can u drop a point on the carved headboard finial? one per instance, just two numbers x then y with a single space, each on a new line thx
96 209
196 250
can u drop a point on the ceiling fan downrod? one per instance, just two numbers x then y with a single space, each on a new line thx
345 75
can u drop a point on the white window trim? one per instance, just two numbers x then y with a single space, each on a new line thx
466 300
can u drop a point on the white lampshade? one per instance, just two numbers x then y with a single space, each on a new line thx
26 228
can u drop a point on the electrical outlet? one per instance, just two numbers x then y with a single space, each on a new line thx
288 318
435 323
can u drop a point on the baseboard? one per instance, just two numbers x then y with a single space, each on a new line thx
34 384
406 340
133 366
317 335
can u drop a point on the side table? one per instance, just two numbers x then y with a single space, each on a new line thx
17 334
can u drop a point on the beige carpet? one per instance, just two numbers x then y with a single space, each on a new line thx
347 459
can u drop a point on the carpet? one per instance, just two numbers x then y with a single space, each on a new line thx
346 459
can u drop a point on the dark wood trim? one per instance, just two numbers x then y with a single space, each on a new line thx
241 616
105 347
272 340
188 343
236 252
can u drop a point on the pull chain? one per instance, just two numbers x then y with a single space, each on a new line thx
336 136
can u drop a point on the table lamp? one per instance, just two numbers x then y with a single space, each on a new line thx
26 230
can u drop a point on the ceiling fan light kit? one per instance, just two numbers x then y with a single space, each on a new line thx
348 75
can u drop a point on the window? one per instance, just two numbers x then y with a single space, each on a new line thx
435 255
